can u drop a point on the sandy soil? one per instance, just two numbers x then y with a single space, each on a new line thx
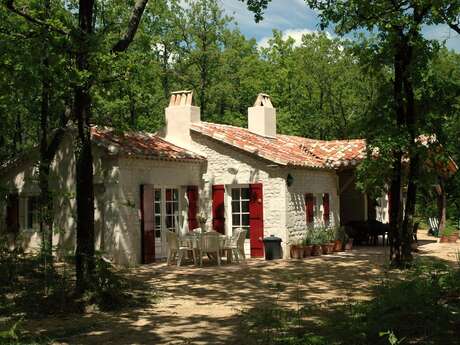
203 305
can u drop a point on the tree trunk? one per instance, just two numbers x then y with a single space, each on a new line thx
84 254
409 212
396 252
414 159
46 204
442 205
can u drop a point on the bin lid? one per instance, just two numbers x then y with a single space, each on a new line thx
272 238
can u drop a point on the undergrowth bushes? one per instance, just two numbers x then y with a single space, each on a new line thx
30 289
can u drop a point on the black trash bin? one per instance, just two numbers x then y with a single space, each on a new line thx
272 245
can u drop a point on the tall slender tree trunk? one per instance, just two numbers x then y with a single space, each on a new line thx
46 203
414 160
442 204
84 255
395 187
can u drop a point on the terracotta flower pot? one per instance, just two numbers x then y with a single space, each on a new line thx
444 239
337 246
349 245
330 247
326 248
307 250
296 252
316 250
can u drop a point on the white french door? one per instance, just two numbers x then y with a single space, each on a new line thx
166 207
240 197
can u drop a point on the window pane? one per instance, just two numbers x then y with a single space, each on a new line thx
235 206
247 233
245 193
169 222
157 195
175 194
245 219
157 208
158 233
245 206
168 195
236 219
169 208
235 193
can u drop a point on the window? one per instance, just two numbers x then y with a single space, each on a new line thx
157 212
32 221
317 208
172 208
240 209
310 208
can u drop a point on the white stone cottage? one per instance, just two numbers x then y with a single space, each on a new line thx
253 177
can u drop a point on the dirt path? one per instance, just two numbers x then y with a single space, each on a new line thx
203 305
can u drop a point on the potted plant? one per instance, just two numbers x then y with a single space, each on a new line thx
316 243
453 237
307 245
449 235
297 249
325 241
339 238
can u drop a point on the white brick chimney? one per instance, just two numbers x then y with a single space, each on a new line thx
180 114
262 117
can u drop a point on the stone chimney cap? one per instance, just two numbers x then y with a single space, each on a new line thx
263 100
181 98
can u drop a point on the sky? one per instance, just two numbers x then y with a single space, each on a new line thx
294 18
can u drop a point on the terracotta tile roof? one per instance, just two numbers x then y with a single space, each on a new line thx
140 144
288 149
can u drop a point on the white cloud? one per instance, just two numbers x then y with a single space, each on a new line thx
296 34
443 33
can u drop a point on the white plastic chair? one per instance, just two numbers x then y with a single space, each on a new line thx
181 230
210 244
177 247
236 245
434 225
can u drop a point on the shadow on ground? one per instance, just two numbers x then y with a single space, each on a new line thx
205 305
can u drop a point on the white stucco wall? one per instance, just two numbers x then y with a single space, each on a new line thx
382 209
309 181
124 198
229 166
24 180
284 207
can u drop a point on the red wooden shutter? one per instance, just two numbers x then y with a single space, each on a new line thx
218 208
147 224
192 196
309 208
12 213
256 220
326 209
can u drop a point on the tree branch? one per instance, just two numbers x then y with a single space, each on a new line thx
455 27
29 18
133 24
